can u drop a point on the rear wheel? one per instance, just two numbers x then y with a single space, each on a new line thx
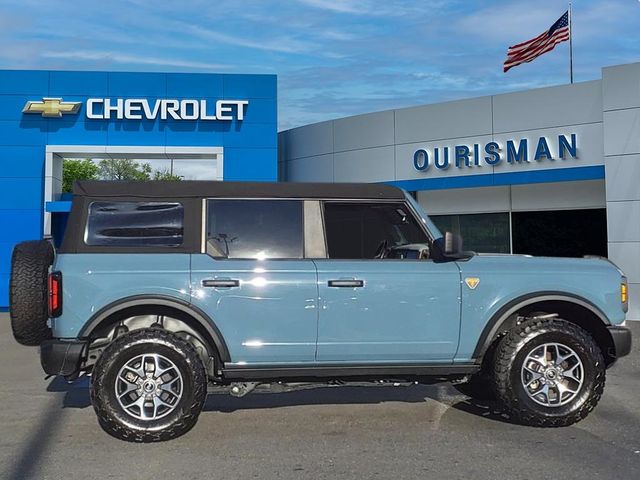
28 291
148 386
548 372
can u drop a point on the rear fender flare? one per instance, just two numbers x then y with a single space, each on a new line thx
203 320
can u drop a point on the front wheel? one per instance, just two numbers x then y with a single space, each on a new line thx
148 386
548 372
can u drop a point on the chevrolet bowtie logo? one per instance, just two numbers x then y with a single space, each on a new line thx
51 107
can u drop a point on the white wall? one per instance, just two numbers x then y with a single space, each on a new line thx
621 105
515 198
379 147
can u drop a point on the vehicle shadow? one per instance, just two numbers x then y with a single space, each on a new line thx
442 393
318 395
489 409
77 396
76 392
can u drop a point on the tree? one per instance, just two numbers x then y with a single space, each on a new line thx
77 169
110 169
165 175
123 169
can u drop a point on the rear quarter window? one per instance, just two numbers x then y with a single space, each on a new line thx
255 229
135 224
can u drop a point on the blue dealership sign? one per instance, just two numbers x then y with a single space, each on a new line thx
492 153
235 112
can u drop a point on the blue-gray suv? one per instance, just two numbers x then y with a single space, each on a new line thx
162 291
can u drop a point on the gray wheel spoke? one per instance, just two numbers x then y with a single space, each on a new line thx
558 399
570 373
534 376
137 402
539 360
158 402
564 358
530 370
544 390
562 388
137 371
166 387
130 388
143 412
161 371
559 355
542 358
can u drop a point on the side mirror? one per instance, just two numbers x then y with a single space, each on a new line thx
452 244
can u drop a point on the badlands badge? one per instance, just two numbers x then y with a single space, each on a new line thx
472 282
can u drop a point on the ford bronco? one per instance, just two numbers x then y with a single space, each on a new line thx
163 291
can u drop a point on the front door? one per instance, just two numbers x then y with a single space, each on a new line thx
254 282
376 309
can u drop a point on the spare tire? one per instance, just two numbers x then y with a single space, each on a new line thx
28 291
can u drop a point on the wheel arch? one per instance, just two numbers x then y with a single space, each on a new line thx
572 308
112 313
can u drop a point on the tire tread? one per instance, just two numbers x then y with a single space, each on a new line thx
505 355
28 291
191 413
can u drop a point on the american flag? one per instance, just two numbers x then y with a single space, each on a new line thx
546 41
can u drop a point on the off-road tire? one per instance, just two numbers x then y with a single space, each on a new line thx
511 353
28 291
115 420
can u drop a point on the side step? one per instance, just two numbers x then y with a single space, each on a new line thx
242 372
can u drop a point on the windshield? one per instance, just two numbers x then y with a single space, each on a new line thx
433 230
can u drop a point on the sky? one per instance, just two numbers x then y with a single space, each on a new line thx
333 58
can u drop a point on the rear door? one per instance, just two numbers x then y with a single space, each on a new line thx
382 309
255 283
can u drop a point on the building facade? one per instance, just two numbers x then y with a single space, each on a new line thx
551 171
196 126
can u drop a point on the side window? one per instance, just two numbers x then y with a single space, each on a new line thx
135 224
257 229
358 230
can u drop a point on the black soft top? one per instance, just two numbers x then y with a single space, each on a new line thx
212 189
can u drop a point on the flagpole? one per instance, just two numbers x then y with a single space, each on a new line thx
570 45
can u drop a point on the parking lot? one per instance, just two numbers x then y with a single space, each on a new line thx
49 431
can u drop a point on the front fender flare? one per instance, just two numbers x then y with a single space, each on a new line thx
203 320
493 326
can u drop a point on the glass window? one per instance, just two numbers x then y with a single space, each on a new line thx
357 230
561 233
135 224
481 232
255 229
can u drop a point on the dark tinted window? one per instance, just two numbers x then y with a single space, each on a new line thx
135 224
481 232
561 233
254 228
356 230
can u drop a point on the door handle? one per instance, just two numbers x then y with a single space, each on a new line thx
346 283
220 282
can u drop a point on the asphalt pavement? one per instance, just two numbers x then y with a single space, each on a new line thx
48 431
